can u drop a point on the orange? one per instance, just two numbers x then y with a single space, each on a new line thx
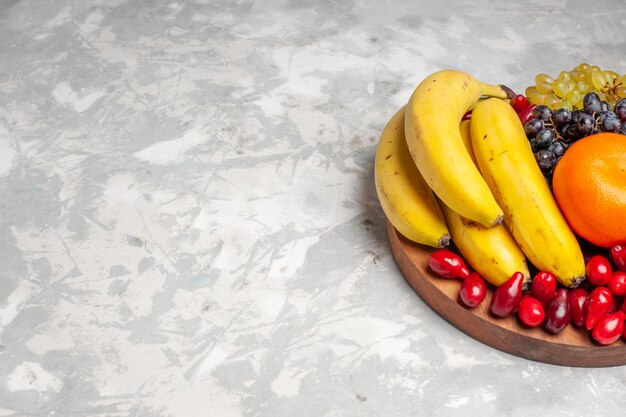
589 185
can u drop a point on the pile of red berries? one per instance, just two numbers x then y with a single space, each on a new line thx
599 307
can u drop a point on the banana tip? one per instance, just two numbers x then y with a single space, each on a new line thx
576 281
443 241
498 220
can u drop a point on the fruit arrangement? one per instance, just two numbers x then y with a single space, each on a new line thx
519 186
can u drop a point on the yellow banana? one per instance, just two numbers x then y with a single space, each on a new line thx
404 196
508 165
432 122
491 251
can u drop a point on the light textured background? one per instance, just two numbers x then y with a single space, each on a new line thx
188 221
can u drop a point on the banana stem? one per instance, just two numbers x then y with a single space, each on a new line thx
509 93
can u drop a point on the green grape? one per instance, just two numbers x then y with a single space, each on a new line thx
592 69
583 87
580 76
583 67
543 78
597 79
611 77
544 87
579 104
534 96
574 97
537 99
569 87
552 101
564 76
565 105
561 88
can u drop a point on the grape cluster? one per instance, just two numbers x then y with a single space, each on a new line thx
569 88
551 132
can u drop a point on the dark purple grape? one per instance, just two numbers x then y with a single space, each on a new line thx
545 159
542 112
591 103
570 133
604 115
605 106
558 148
576 115
611 124
532 127
544 138
561 117
620 103
620 112
533 144
622 130
586 124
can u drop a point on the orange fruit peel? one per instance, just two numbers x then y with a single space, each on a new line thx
589 185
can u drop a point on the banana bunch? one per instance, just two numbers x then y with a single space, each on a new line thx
440 179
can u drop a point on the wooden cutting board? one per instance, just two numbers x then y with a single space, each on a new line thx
571 347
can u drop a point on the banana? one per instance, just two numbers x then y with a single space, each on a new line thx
491 251
406 199
432 122
507 163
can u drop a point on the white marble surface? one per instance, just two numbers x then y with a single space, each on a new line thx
188 220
